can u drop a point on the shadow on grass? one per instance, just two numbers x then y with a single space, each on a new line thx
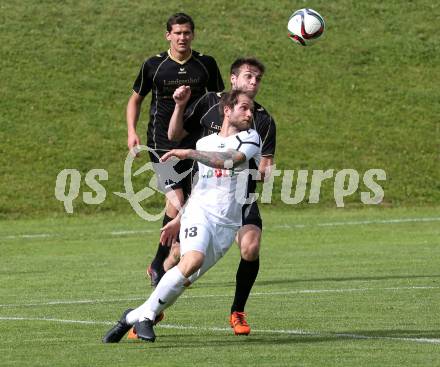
343 279
270 282
398 333
173 341
188 340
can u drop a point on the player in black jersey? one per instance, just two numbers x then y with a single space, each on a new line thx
162 74
202 117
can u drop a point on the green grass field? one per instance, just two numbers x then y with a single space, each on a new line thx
336 287
365 96
357 286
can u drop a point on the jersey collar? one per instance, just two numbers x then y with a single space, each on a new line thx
181 62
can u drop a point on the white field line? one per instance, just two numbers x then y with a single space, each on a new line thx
13 318
187 296
38 235
223 329
121 233
50 235
72 302
329 224
360 222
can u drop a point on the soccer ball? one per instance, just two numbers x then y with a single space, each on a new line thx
305 26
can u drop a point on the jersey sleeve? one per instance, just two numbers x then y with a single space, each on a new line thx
215 81
193 114
249 143
143 82
268 137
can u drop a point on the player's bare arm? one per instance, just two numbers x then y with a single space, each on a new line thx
228 159
181 96
169 232
265 166
133 112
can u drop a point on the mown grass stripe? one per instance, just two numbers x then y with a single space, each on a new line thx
254 294
329 224
223 329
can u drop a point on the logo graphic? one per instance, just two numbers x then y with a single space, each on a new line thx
218 172
182 71
161 302
346 182
165 176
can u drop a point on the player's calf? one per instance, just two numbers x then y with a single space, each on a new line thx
173 258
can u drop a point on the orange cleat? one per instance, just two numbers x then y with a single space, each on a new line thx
132 333
239 324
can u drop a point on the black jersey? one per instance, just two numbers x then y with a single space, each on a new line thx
202 118
162 74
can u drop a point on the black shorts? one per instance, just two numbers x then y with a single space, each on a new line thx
250 214
186 183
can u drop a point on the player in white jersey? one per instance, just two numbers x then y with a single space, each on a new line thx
212 215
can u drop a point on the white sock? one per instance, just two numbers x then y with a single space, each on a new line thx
132 316
170 287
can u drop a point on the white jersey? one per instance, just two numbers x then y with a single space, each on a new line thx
221 193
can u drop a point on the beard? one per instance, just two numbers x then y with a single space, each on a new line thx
240 124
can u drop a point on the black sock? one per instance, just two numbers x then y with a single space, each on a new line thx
244 280
162 251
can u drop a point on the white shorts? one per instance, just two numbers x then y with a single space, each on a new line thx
198 233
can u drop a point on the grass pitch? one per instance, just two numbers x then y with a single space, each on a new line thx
350 287
365 96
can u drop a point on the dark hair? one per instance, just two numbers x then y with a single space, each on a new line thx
252 61
179 18
230 99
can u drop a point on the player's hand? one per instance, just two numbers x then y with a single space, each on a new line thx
133 141
178 153
181 95
169 232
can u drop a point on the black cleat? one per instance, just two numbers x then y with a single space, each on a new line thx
115 334
144 330
155 275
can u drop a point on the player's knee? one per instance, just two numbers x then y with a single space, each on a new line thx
172 260
175 253
249 238
191 262
250 250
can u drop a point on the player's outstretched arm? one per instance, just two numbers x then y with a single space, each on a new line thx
228 159
181 96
